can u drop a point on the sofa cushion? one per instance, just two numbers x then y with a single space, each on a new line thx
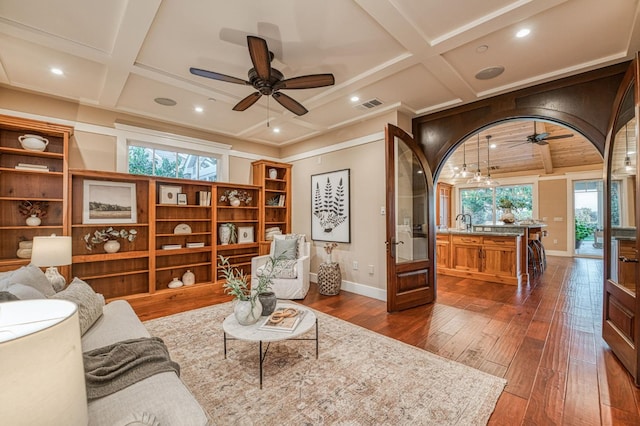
89 302
163 396
301 238
118 322
29 275
285 249
25 292
282 269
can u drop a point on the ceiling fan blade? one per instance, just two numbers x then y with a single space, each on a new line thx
260 56
290 103
306 82
559 137
247 102
217 76
541 142
540 136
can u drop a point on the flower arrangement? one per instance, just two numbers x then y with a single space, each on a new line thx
106 234
328 248
33 208
231 194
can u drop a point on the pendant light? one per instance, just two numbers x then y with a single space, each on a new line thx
477 177
488 182
627 168
464 173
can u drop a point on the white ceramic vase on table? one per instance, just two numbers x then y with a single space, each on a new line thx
112 246
247 313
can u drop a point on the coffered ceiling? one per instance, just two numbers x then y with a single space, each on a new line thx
414 56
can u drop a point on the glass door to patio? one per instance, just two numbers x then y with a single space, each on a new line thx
588 217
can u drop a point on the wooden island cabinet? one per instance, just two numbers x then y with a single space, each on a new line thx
493 257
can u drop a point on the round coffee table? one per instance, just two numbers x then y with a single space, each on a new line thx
252 333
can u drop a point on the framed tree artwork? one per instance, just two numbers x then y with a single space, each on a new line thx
330 213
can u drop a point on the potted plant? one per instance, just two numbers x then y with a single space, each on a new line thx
34 211
109 236
583 230
227 233
267 297
248 308
506 205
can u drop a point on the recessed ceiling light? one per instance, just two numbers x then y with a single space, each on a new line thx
523 32
482 48
56 71
276 130
199 109
165 101
355 99
493 145
489 73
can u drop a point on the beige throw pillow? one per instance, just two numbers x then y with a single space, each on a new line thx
89 302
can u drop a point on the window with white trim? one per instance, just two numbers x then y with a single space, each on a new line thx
145 159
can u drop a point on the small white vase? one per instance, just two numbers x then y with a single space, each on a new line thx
112 246
235 202
33 221
224 234
188 278
247 314
175 283
273 174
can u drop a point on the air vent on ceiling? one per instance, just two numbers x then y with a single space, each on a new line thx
372 103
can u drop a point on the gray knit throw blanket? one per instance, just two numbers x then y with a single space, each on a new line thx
114 367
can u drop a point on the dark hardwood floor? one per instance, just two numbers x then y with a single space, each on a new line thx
544 338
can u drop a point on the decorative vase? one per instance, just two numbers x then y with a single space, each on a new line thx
175 283
33 221
507 216
268 300
188 278
247 314
225 234
112 246
235 202
273 174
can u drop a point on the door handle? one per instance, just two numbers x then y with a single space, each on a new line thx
392 246
625 259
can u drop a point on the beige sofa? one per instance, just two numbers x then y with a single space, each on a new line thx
162 399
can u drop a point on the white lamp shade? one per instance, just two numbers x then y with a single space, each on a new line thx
42 369
51 251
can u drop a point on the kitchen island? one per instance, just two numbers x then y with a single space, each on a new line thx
495 253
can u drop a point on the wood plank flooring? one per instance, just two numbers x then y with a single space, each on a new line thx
544 338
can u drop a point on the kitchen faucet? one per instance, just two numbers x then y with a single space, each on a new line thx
464 220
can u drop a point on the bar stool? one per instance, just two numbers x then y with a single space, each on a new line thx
537 248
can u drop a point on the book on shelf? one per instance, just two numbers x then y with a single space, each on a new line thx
32 167
281 201
204 198
283 319
195 245
171 246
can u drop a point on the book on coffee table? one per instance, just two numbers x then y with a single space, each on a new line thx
283 319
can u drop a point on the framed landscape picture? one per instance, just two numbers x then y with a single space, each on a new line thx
330 215
109 202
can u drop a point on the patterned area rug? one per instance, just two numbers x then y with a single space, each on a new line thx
360 377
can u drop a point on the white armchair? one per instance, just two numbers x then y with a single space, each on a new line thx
292 283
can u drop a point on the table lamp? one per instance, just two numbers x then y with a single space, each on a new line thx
51 252
42 370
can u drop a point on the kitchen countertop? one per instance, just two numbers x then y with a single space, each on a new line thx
511 233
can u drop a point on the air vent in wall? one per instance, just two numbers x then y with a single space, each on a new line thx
372 103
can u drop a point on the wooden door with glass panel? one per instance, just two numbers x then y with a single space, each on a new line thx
621 306
410 242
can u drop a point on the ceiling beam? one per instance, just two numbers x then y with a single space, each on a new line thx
547 162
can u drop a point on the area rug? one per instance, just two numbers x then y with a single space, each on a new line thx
360 377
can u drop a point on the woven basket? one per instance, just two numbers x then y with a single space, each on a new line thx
329 279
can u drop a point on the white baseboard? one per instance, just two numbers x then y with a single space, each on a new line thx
558 253
357 288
